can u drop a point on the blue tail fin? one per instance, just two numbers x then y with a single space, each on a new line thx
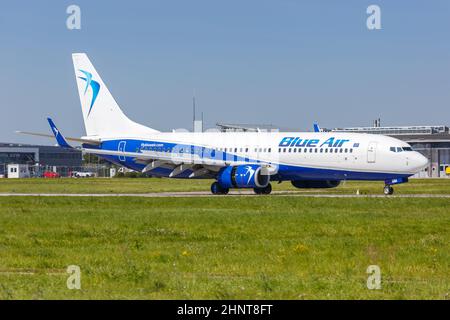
316 127
59 137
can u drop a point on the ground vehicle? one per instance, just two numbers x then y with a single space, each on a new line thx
79 174
50 175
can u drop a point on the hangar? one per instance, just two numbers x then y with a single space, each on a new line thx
38 155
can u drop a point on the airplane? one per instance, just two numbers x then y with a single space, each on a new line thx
234 160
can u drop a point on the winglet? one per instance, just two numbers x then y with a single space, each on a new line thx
316 127
59 137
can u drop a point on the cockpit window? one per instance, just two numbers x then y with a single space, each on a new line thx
400 149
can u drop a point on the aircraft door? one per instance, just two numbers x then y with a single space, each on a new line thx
121 148
371 152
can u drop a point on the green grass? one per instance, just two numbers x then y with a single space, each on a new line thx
224 247
130 185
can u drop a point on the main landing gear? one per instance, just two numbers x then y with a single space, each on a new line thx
266 190
216 188
388 190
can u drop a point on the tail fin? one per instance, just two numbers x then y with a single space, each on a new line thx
101 113
316 128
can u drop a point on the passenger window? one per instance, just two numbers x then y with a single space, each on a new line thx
246 149
351 150
284 149
321 150
346 150
315 150
295 150
326 150
340 150
289 149
270 150
279 149
310 150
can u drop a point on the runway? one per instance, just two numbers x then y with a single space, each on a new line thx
194 194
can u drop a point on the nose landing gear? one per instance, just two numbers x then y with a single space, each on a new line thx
388 190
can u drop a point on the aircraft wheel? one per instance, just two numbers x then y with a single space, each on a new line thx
266 190
388 190
216 188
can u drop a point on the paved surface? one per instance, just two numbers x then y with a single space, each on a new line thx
208 194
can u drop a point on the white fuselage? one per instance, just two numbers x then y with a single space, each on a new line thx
356 155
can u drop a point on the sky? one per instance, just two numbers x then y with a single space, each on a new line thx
282 62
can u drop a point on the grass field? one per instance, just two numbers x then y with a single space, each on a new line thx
221 247
143 185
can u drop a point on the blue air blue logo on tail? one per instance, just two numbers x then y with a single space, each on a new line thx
93 84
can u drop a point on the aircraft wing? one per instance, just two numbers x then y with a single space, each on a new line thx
161 156
179 162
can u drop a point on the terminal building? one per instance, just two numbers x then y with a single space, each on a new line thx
38 156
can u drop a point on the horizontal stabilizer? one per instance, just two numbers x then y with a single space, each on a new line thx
87 141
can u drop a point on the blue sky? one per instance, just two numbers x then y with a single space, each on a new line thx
283 62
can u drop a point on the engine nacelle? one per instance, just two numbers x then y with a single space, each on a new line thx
243 176
317 184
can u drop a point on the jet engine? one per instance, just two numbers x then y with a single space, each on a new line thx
244 176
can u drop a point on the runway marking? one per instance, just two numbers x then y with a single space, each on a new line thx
31 272
208 194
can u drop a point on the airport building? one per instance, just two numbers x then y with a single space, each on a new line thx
38 156
228 127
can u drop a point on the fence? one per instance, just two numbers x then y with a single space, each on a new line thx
37 171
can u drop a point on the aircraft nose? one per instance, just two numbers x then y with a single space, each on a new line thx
420 162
